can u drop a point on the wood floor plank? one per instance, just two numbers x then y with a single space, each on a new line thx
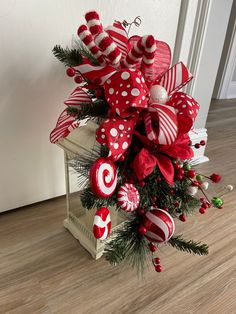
43 269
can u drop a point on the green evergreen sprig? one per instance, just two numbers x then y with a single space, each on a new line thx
128 246
70 57
189 246
97 108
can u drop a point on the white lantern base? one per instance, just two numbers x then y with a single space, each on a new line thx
81 229
84 236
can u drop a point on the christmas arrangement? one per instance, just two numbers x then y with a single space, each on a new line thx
142 167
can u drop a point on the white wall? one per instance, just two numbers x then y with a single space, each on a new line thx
208 56
225 86
33 85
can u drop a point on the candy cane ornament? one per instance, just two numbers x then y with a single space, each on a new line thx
103 177
87 38
102 39
144 48
102 223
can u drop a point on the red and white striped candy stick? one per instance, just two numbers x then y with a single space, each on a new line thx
135 54
102 39
144 48
87 38
149 45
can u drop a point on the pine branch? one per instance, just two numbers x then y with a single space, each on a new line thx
70 57
86 53
189 246
89 200
128 246
96 108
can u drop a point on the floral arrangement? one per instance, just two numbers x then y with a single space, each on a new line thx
143 164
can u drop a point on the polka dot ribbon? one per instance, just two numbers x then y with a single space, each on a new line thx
116 134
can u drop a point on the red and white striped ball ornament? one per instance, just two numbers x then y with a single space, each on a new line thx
102 223
128 197
160 225
103 177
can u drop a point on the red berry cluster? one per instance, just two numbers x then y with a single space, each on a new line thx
198 145
155 260
179 172
204 205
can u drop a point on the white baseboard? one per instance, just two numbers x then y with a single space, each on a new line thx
196 136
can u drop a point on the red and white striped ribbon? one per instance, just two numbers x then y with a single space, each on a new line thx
119 36
95 73
175 78
167 123
77 97
65 124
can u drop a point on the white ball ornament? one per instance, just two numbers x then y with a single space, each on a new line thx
158 94
192 190
205 185
229 187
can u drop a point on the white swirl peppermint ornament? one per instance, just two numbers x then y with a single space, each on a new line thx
128 197
103 177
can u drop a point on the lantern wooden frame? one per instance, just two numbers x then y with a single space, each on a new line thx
79 221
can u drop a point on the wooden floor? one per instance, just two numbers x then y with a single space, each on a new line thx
43 269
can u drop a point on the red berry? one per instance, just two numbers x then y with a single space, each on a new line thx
202 199
179 177
141 184
122 158
204 205
152 247
215 178
191 173
70 72
147 223
166 209
142 230
98 93
180 171
195 183
202 210
78 79
141 211
182 217
176 204
158 268
177 166
158 179
154 199
171 192
156 260
197 145
202 143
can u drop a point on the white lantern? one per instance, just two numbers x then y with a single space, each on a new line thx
79 221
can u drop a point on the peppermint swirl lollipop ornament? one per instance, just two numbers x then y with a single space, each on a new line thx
128 197
103 177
